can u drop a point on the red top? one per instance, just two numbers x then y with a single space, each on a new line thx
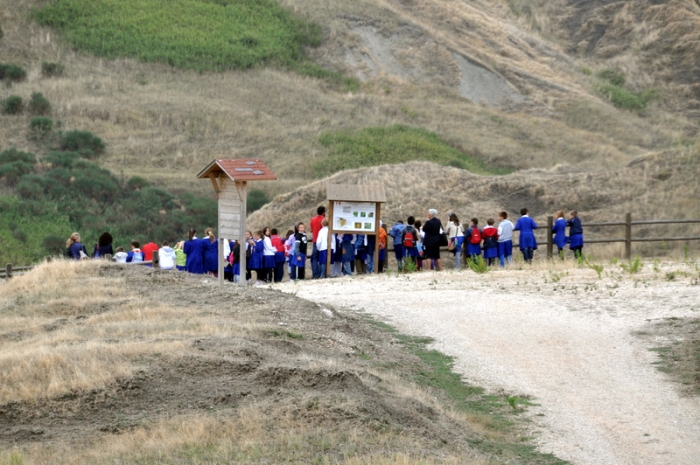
277 243
316 226
148 250
489 231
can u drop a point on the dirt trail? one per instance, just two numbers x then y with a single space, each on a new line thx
568 343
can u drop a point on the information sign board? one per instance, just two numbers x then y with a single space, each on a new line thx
354 217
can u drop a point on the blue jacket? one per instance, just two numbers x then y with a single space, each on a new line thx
526 226
574 225
397 232
210 254
193 250
559 230
74 250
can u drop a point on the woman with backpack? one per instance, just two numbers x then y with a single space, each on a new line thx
474 238
74 249
455 234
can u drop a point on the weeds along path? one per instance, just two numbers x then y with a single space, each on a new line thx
566 340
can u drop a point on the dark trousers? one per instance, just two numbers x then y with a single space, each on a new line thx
314 262
279 272
528 252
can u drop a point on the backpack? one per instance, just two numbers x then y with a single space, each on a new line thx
137 257
409 240
476 236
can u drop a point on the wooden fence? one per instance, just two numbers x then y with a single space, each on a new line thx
628 224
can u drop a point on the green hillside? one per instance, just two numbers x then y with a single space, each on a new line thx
192 34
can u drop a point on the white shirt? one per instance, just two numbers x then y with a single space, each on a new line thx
269 250
120 257
322 239
505 231
166 258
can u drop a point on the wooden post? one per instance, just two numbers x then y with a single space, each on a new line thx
330 237
221 262
49 259
377 216
156 260
550 240
8 271
108 257
628 236
243 192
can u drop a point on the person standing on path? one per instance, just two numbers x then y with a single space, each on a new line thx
315 225
575 234
528 242
455 234
396 233
505 239
559 232
431 242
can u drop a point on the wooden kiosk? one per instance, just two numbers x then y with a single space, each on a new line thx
229 179
354 210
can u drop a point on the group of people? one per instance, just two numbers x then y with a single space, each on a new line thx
415 244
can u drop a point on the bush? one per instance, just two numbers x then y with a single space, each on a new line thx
616 78
393 144
137 183
38 105
256 199
625 99
12 105
82 142
51 69
15 164
54 245
12 72
197 34
40 126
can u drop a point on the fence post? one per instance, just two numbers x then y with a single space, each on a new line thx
628 236
550 241
8 271
108 257
155 259
49 258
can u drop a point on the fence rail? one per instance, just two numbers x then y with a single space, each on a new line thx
10 269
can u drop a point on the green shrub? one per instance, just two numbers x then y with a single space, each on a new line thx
40 127
194 34
137 183
12 105
256 199
38 105
15 164
51 69
53 244
478 264
82 142
393 144
12 72
616 78
625 99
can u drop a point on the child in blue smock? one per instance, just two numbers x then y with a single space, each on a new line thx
559 232
193 250
526 226
348 249
473 238
575 234
210 253
257 250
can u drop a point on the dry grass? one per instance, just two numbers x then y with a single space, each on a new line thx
56 344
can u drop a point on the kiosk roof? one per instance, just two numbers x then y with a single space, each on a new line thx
356 193
244 169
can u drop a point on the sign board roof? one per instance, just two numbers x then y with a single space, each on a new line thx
245 169
356 193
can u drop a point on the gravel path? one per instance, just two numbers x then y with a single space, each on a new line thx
565 339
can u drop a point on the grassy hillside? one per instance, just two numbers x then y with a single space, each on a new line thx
193 34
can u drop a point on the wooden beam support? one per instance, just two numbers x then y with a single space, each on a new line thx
215 184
